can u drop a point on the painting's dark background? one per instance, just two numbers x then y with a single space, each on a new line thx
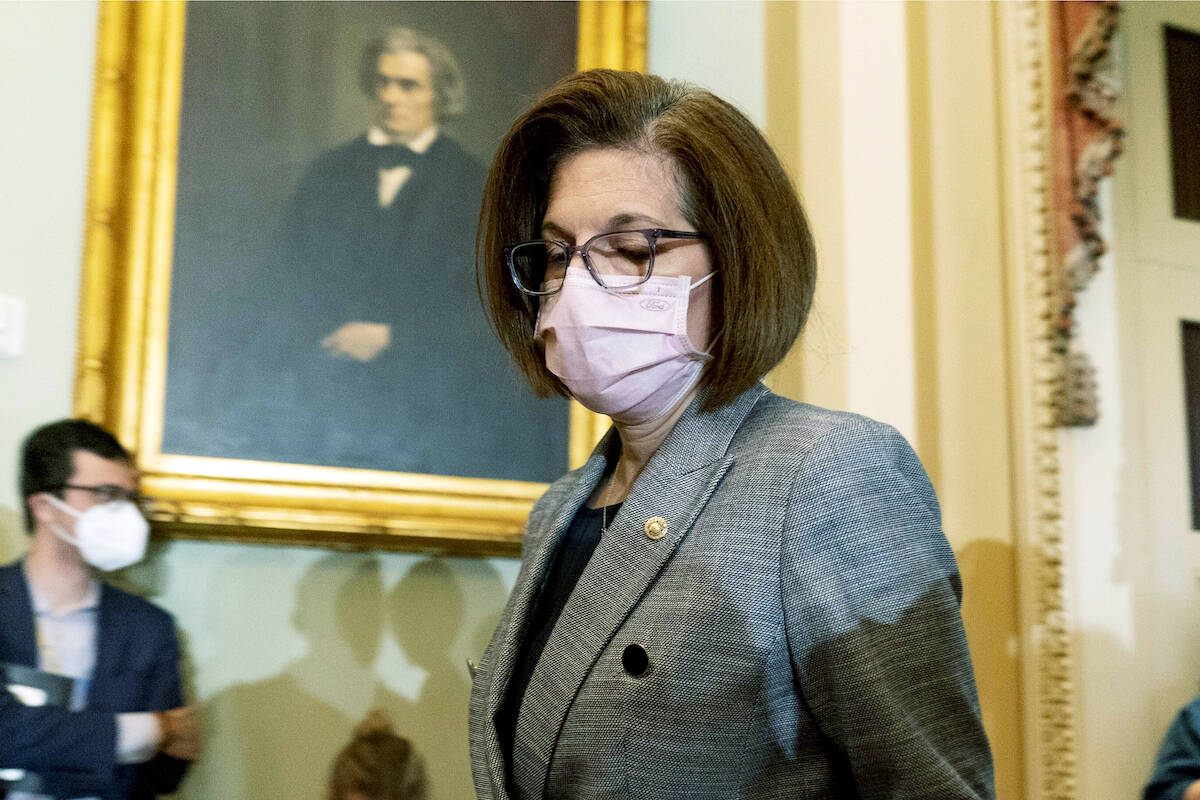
1183 106
1191 384
268 87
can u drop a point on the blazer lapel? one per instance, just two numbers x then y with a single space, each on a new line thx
526 591
18 636
675 486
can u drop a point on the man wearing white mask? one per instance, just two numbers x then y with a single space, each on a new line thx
124 732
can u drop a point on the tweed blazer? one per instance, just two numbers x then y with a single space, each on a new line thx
799 619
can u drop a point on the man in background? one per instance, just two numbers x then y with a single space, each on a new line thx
120 730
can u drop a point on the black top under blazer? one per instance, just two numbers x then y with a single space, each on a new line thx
799 621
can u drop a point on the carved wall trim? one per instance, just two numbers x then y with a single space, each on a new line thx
1088 137
1048 652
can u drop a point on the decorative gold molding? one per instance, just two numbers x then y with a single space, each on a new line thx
121 361
1092 138
613 34
1048 652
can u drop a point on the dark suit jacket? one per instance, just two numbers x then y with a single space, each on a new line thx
352 259
137 669
794 633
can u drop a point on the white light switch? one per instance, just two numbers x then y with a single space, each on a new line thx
12 326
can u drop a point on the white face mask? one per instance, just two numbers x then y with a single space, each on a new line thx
109 536
625 354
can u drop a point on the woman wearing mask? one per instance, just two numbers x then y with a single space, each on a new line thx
737 595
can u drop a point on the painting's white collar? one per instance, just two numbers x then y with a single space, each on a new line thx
378 135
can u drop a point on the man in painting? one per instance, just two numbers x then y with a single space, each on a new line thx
381 353
94 707
402 197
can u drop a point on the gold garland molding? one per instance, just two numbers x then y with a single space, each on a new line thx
1048 652
1091 91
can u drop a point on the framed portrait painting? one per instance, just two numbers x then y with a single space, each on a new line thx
280 312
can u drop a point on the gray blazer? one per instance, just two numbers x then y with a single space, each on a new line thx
799 615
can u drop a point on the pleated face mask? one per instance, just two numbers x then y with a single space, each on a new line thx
625 354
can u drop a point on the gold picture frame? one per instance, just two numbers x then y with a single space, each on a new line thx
122 350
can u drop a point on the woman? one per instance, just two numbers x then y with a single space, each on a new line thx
738 596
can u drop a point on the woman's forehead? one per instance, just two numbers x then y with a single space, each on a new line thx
609 185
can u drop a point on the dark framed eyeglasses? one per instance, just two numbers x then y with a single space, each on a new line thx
111 493
615 260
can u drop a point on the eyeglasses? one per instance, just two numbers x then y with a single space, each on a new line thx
616 260
111 493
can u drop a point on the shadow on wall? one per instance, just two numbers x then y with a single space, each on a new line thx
1101 658
278 737
426 609
988 570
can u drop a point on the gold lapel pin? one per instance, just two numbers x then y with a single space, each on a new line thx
656 527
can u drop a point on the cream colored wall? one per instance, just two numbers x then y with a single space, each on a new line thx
960 267
852 169
289 647
718 45
45 92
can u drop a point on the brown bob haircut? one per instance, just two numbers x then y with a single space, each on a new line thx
731 187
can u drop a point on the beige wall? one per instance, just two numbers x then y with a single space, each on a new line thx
45 93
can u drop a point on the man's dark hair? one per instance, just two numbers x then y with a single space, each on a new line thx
48 456
449 89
